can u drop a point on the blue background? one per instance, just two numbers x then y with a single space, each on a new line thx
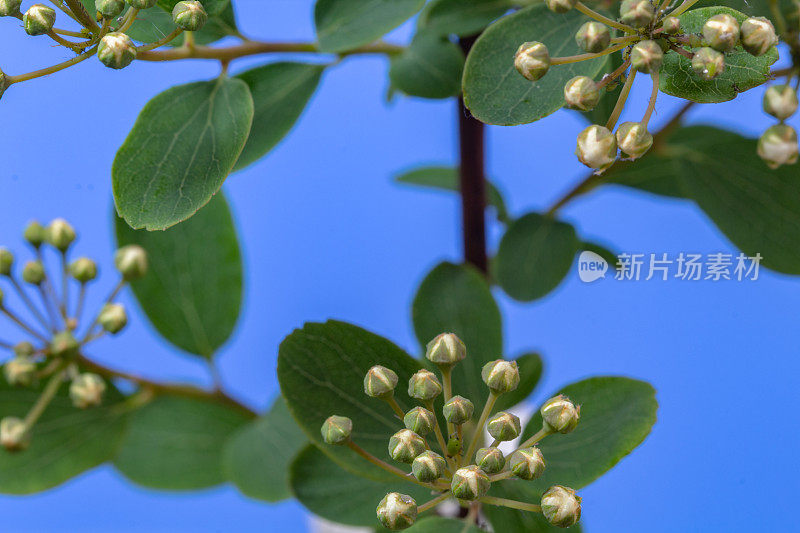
326 234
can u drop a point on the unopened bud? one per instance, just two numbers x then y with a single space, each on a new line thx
778 146
189 15
560 6
24 349
64 345
633 139
113 318
490 460
527 463
336 429
6 261
581 93
420 421
780 101
34 233
60 234
722 32
636 13
458 410
560 415
504 426
758 35
424 386
470 483
142 4
83 269
39 19
501 376
708 63
532 60
116 50
87 390
596 147
446 349
428 466
33 272
14 435
561 506
647 57
405 446
593 37
380 382
20 371
397 511
131 261
9 8
671 25
109 8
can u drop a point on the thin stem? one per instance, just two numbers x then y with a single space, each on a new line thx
69 33
501 476
111 296
625 39
434 502
619 71
65 43
7 345
28 302
438 432
513 504
537 437
447 387
683 7
583 8
81 15
250 48
472 514
780 22
130 18
395 407
81 301
476 435
623 96
50 70
14 318
680 50
64 287
46 302
66 10
161 42
44 400
651 105
583 57
386 466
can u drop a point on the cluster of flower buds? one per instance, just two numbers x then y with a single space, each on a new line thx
52 349
452 466
778 145
650 32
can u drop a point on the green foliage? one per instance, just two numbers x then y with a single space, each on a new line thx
461 17
182 147
343 25
438 524
430 67
505 519
602 251
193 292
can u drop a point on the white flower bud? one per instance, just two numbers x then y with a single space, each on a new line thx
33 272
561 506
778 146
405 446
39 19
446 349
458 410
116 50
593 37
560 6
109 8
490 460
87 390
83 269
647 57
420 421
9 8
671 25
501 376
397 511
34 233
131 261
424 385
596 147
380 382
64 345
20 371
504 426
428 466
336 430
527 463
722 32
142 4
6 261
560 415
758 35
14 436
532 60
633 139
60 234
780 101
636 13
581 93
470 483
708 63
113 318
189 15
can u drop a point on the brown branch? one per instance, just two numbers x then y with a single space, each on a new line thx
250 48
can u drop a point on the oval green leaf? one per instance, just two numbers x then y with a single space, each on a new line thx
439 524
430 67
461 17
346 24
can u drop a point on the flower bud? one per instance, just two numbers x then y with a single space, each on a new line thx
397 511
14 436
636 13
722 32
778 146
131 261
780 101
336 429
470 483
113 318
34 233
708 63
9 8
504 426
380 382
109 8
24 349
597 147
420 421
142 4
532 60
6 261
20 371
647 57
33 272
671 25
424 386
490 460
560 415
501 376
63 345
87 390
527 463
189 15
581 93
428 466
116 50
758 35
60 234
561 506
593 37
83 269
458 410
405 446
633 139
39 19
446 349
560 6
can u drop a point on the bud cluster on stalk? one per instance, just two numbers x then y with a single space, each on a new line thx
50 354
445 449
649 30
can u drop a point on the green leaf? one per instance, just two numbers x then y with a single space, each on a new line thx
335 494
430 67
602 251
657 173
280 93
535 255
461 17
65 441
456 299
438 524
156 23
176 443
446 178
192 293
496 93
530 371
321 370
346 24
182 147
505 519
256 457
742 70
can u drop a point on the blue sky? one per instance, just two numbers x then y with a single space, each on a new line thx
722 355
